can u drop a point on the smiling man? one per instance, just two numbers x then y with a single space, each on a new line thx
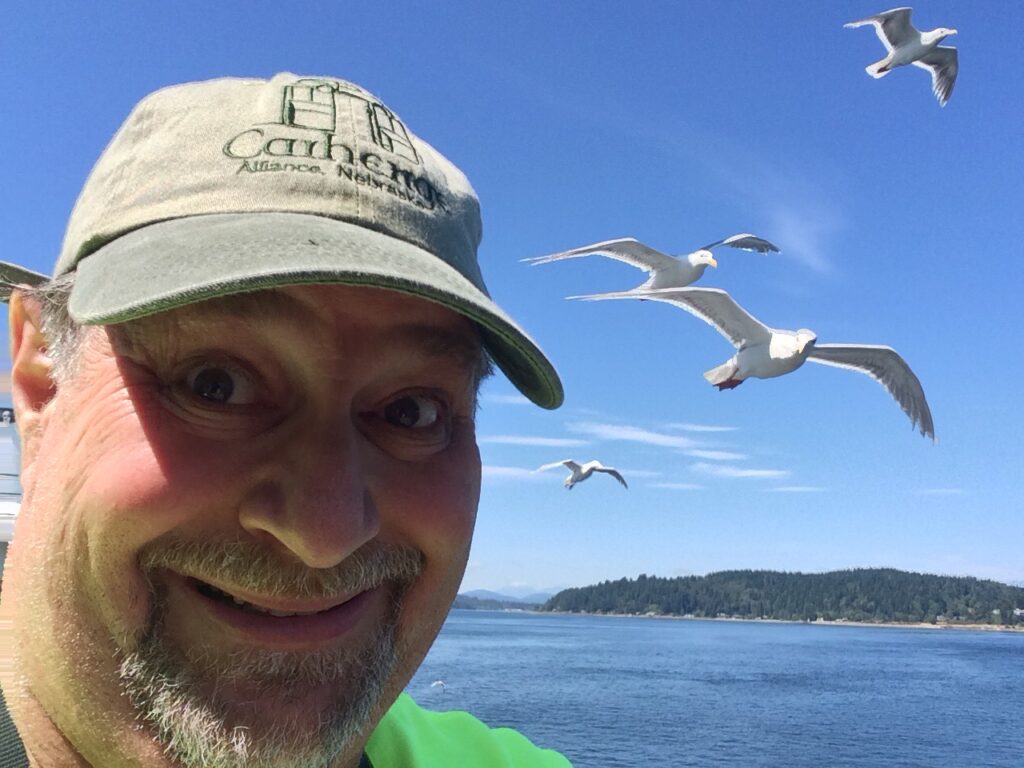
246 401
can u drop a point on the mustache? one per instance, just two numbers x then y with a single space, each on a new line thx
249 566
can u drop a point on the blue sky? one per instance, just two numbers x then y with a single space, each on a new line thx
678 124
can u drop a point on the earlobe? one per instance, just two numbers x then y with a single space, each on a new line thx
32 385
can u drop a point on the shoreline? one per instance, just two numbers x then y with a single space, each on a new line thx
1019 628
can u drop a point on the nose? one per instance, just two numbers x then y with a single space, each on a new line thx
314 501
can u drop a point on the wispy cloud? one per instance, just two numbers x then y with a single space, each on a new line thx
724 470
790 194
494 397
795 489
791 199
543 442
495 472
700 427
940 492
677 486
604 431
640 473
806 227
700 453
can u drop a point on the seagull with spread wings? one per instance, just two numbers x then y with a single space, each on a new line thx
907 45
665 271
764 353
580 472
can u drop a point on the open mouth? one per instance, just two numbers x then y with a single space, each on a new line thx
211 592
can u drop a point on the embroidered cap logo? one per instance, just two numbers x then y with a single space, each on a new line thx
312 104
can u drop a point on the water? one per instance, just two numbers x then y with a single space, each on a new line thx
611 692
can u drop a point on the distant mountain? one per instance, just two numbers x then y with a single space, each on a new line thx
538 598
867 594
519 591
468 602
533 598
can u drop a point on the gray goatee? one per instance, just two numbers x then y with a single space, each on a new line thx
179 692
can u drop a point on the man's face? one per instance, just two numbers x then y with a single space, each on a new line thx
245 521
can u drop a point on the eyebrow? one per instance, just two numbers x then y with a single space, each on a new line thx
464 348
249 307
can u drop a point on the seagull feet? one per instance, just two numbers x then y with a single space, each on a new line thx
729 384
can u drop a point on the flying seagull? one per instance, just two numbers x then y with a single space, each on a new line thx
579 472
907 45
764 353
439 684
665 271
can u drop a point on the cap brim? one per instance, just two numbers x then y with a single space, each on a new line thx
11 276
181 261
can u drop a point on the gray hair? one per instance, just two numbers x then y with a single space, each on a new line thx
62 333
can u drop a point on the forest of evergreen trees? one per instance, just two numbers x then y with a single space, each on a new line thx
869 594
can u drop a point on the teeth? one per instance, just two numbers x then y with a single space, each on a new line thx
280 613
250 607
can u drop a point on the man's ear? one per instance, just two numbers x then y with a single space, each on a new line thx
32 386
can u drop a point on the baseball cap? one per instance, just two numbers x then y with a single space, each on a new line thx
232 185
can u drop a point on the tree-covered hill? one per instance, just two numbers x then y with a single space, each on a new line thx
869 594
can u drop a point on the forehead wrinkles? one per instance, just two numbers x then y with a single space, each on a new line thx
259 309
448 336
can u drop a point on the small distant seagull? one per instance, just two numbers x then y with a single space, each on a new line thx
582 472
665 271
907 45
765 353
439 684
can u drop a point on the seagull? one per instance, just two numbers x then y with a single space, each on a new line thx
665 271
907 45
582 472
439 684
765 353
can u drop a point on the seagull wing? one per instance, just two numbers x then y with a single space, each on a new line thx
633 293
717 308
614 473
745 242
563 463
885 366
943 64
892 27
625 249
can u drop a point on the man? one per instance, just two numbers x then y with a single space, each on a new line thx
246 402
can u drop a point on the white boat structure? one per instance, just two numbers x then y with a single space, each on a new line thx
10 488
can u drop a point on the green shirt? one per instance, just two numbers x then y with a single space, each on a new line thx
412 737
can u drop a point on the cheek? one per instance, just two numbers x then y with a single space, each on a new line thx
433 505
109 485
434 511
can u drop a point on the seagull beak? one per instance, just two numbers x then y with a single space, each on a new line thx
713 263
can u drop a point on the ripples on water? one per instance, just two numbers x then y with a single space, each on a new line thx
611 692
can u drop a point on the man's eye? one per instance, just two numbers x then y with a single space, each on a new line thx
413 412
220 384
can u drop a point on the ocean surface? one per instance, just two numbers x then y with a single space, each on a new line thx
610 692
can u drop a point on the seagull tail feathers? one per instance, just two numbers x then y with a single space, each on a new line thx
721 373
878 69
